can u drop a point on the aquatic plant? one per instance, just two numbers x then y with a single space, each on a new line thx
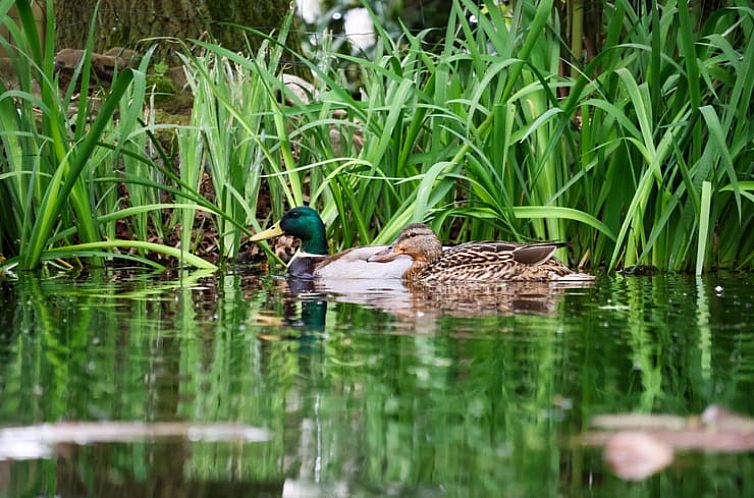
642 157
58 192
639 154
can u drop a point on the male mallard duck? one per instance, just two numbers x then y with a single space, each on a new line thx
312 259
475 261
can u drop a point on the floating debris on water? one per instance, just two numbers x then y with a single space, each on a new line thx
38 441
640 445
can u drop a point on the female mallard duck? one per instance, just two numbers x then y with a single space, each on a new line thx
475 261
312 259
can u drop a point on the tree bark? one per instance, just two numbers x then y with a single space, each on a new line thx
125 23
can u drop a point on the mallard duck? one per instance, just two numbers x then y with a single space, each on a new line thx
312 259
475 261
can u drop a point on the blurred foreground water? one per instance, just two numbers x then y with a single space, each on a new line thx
236 385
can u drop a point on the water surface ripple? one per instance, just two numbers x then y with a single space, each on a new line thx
364 389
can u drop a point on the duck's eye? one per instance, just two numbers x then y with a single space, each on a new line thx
295 214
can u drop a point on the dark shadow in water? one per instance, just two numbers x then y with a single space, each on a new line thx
94 471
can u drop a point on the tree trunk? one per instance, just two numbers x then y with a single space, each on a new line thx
125 23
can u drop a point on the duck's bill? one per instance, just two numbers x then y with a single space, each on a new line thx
273 231
384 256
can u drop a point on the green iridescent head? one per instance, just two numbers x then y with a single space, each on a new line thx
303 223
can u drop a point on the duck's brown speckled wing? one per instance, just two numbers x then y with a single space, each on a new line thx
496 261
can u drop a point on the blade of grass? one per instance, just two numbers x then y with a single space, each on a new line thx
73 250
59 188
704 224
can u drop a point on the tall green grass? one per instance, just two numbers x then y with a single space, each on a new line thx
55 168
476 132
641 156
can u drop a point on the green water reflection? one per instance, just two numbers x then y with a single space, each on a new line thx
368 392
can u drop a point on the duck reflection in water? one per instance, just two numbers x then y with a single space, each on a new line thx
412 301
416 299
313 305
304 313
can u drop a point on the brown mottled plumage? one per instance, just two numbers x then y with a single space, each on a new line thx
475 261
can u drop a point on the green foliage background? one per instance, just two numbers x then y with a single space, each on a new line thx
641 156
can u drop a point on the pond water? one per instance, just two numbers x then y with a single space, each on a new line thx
364 390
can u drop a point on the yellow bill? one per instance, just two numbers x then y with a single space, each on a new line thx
273 231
